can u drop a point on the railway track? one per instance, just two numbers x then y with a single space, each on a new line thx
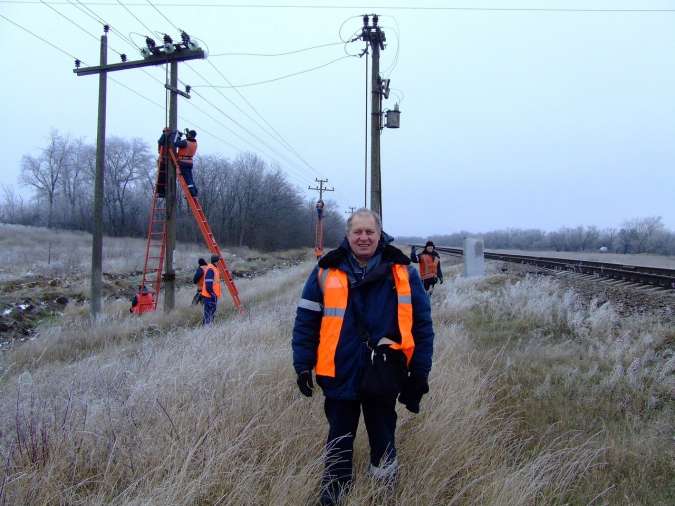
652 276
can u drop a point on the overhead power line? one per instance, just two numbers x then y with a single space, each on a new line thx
279 78
285 53
365 7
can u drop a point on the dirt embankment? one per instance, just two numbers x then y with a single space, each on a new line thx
26 302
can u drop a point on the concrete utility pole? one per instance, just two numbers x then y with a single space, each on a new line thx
97 235
318 237
374 36
321 188
169 277
167 53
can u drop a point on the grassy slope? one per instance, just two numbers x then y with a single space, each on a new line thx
534 399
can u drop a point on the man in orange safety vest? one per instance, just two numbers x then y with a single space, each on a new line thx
363 324
430 266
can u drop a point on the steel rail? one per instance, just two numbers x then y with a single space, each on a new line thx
655 276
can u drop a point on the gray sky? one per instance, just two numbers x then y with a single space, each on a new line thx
509 119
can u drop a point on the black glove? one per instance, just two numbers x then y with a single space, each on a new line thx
414 388
440 280
305 383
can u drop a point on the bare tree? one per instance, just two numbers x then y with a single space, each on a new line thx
44 172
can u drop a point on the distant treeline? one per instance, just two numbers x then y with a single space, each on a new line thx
639 235
247 202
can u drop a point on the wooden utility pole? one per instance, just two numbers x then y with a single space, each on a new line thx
97 235
351 210
374 36
171 192
167 53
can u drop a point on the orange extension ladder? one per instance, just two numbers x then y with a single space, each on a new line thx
155 248
208 236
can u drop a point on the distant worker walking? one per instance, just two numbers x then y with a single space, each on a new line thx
430 266
208 278
187 148
364 325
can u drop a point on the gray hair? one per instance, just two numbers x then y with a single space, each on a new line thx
365 212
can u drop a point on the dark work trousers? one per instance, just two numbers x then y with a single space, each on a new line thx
429 283
379 414
210 305
161 180
186 171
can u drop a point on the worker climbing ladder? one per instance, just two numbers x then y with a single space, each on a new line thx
156 243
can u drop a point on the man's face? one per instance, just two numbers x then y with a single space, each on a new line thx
429 249
363 236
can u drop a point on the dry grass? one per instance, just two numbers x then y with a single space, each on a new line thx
155 410
27 251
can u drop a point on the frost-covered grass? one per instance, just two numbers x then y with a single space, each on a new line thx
157 410
26 251
565 366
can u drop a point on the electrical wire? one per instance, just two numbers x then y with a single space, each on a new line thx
285 53
39 37
279 78
121 84
279 137
219 5
253 135
163 15
191 68
214 106
135 17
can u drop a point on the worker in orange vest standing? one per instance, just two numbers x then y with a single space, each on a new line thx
430 266
187 148
198 279
211 289
143 301
363 324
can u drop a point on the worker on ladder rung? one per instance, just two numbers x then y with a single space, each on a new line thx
164 140
187 148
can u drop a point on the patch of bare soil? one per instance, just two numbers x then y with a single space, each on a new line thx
26 302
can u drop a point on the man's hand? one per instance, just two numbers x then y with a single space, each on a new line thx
414 388
440 280
305 383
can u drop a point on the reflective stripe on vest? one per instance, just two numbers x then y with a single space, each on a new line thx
185 154
216 281
335 287
428 266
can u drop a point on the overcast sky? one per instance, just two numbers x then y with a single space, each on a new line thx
509 119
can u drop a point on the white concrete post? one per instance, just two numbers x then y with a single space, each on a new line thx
474 261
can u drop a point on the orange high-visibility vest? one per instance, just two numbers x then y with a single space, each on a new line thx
216 281
144 304
185 154
335 287
200 283
428 266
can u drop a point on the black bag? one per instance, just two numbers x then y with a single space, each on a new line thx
197 299
385 374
